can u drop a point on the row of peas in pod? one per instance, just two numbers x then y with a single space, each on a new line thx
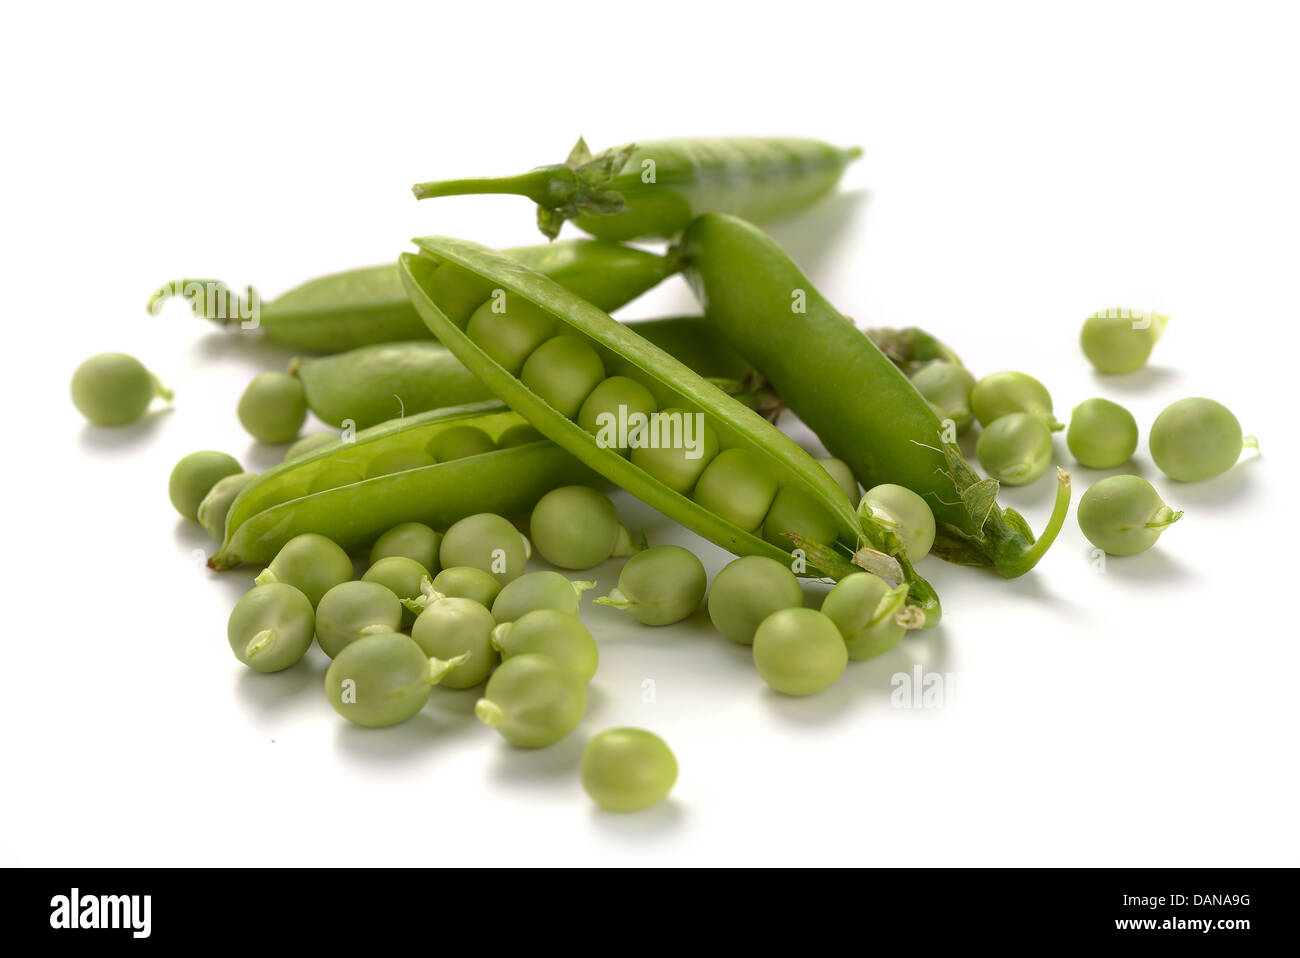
1191 440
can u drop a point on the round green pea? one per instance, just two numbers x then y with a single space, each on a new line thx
905 513
216 504
488 542
628 769
948 387
352 609
864 609
383 679
675 461
114 389
309 444
577 527
194 476
271 627
509 330
1015 449
311 563
1102 434
451 627
1001 394
466 582
799 651
794 510
1124 515
538 590
398 460
564 371
519 435
1120 340
1195 439
839 470
460 442
659 586
737 486
402 576
413 540
533 700
273 407
550 632
746 592
616 402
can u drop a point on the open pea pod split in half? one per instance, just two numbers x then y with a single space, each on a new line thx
588 331
329 491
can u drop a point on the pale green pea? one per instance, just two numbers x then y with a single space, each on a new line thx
533 701
563 371
550 632
799 651
615 410
1124 515
273 407
402 576
1015 449
353 609
194 476
1001 394
795 511
659 586
746 592
384 679
398 460
215 506
947 386
467 582
450 627
839 470
311 563
1195 439
271 627
577 527
675 461
460 442
488 542
538 590
1121 340
628 769
309 444
1102 434
509 336
519 435
114 389
737 486
903 512
864 609
414 540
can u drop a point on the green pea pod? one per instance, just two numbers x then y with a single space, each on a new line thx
358 307
655 188
327 491
848 392
737 428
371 384
910 348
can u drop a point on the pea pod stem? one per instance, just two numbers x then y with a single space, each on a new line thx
1060 509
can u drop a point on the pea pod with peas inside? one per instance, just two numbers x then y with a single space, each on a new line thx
689 426
853 396
359 307
332 492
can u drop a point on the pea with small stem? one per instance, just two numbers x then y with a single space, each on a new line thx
1124 515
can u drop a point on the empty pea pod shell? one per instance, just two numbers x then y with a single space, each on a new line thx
325 491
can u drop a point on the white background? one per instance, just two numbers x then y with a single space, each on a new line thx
1025 165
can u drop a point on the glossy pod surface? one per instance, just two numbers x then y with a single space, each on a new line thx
327 491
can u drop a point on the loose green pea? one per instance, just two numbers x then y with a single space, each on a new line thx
450 627
215 506
488 542
675 461
1015 449
510 330
839 470
384 679
737 486
273 407
905 513
799 651
460 442
271 627
467 582
1102 434
310 563
402 576
398 460
628 769
413 540
533 701
948 387
114 389
194 476
538 590
660 586
1121 340
1001 394
615 410
864 609
550 632
1124 515
1195 439
353 609
577 527
519 435
795 511
563 371
746 592
309 444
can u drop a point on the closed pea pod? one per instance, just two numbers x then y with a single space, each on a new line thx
384 679
1102 434
628 769
273 407
450 627
654 188
398 460
550 632
114 389
271 627
865 610
1124 515
799 651
1196 438
533 701
1015 449
577 527
216 504
309 444
1120 340
660 586
538 590
747 591
352 609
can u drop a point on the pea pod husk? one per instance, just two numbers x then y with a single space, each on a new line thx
671 382
851 395
369 305
654 188
283 503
